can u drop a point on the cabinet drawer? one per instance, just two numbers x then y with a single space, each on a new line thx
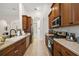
20 42
57 49
21 49
18 48
57 52
60 50
7 50
67 52
12 53
57 46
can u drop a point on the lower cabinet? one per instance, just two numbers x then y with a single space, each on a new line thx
16 49
60 50
27 42
46 40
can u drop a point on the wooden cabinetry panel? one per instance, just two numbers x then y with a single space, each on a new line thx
66 14
57 49
67 52
16 49
27 41
60 50
69 13
26 23
46 40
55 12
75 11
7 51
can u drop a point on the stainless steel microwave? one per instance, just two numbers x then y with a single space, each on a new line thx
56 22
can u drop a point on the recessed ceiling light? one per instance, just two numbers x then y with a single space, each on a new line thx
13 8
36 8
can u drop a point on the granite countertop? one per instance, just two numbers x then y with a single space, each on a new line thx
12 40
72 46
49 34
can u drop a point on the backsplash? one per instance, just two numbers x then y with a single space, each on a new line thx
11 25
3 24
71 29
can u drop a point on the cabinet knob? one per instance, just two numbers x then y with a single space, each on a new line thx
71 22
16 51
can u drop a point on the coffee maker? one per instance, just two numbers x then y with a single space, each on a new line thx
70 37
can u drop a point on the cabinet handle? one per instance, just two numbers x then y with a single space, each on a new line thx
71 22
16 51
67 53
60 53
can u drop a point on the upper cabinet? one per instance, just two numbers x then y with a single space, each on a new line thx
66 14
54 13
69 13
56 10
26 23
75 11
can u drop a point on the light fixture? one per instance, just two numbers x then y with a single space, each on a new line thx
36 8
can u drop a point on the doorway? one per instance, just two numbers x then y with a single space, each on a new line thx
36 28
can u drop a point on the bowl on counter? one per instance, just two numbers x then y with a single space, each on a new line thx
2 40
1 43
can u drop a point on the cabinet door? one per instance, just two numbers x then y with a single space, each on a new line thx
75 10
46 40
57 49
24 23
27 41
21 49
56 10
60 50
8 51
67 52
66 14
29 24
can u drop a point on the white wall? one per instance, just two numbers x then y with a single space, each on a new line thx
40 14
3 24
9 14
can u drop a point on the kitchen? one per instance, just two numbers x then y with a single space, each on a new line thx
63 25
39 29
18 31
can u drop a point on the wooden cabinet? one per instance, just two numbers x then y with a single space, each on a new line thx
57 49
60 50
28 41
26 23
75 11
16 49
29 24
66 14
55 12
69 14
46 40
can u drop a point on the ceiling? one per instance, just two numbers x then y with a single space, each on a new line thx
31 8
9 11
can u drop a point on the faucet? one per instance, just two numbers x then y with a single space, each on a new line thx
11 31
